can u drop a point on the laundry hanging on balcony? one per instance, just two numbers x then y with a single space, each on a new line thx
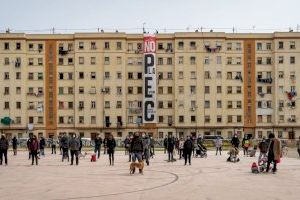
291 94
212 49
6 120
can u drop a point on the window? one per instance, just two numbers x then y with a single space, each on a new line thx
292 60
119 45
6 75
60 61
238 89
292 45
229 104
6 46
139 75
81 119
219 89
259 46
169 61
229 46
219 119
160 104
119 90
93 60
160 119
106 60
93 104
193 75
206 90
70 61
93 45
206 60
18 75
70 90
259 60
206 104
269 89
106 45
160 90
207 119
229 118
180 89
280 45
81 45
238 60
93 119
30 61
40 76
6 105
130 75
119 60
259 118
268 46
81 75
229 61
160 46
30 76
170 75
219 104
269 60
107 104
40 61
170 104
238 118
238 46
170 90
207 75
70 105
180 45
239 104
181 119
18 105
192 60
269 118
193 118
139 90
81 60
81 90
180 60
119 104
106 75
180 75
229 75
280 59
93 75
160 61
193 45
219 60
18 46
219 74
119 75
130 90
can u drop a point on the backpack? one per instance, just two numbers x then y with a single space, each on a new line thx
189 144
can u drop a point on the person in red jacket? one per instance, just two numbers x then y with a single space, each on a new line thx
34 148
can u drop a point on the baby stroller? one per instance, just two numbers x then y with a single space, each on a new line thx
262 164
201 151
233 155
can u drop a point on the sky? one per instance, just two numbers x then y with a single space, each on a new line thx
39 16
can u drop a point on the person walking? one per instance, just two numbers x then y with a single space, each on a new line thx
246 145
187 149
65 147
263 149
274 152
111 145
170 148
105 145
235 141
98 143
15 145
28 146
74 145
298 146
53 145
3 149
42 146
126 144
34 149
129 148
60 146
218 144
152 142
181 147
146 145
165 144
136 148
80 145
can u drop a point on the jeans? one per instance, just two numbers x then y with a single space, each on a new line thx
147 155
137 155
218 149
180 153
3 152
53 147
111 156
170 155
270 160
42 151
187 155
34 155
97 149
74 152
15 151
65 153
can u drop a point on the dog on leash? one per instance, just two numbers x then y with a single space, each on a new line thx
139 165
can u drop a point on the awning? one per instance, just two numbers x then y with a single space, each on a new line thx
6 120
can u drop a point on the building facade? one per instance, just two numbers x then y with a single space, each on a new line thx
206 84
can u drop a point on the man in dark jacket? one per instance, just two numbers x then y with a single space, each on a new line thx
3 149
42 146
170 148
187 149
111 145
74 145
152 142
65 146
165 144
15 145
53 145
136 147
34 149
98 142
235 141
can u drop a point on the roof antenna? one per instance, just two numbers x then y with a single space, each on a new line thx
298 27
98 30
53 30
156 31
291 30
7 30
233 29
144 31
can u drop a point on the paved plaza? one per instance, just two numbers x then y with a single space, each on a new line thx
207 178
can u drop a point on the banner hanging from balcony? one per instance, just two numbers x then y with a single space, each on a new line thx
149 103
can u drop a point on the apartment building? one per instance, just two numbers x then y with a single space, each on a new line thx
205 84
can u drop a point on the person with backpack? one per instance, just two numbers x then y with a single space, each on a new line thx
3 149
187 149
170 148
34 149
15 145
235 142
98 143
245 145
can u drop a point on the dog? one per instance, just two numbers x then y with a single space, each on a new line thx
139 165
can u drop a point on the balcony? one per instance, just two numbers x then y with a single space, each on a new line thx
293 120
264 80
291 94
62 52
17 64
213 49
135 110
